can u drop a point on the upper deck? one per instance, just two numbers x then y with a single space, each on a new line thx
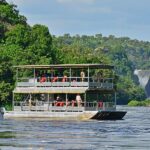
64 78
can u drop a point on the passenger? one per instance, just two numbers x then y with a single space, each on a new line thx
30 104
58 98
67 102
64 79
73 103
100 104
82 74
99 76
43 79
37 76
59 102
74 83
55 79
79 100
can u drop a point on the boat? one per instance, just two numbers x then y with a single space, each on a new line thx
65 91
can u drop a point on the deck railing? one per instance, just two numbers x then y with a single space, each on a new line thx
63 106
70 82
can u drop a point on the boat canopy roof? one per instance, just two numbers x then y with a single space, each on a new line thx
94 66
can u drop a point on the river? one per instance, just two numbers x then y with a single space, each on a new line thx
132 133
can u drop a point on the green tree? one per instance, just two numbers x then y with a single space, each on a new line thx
6 80
9 15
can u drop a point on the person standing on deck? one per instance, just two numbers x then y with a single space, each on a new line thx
30 104
82 74
79 100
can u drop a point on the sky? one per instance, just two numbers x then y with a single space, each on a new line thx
121 18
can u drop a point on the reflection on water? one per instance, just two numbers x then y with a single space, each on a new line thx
131 133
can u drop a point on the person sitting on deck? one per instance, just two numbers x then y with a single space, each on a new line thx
79 100
73 103
59 102
55 79
74 83
67 102
43 78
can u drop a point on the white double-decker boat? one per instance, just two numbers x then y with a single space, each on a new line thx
65 91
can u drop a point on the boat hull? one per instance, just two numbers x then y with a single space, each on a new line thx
86 115
109 115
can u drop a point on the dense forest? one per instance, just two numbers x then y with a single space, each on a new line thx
21 43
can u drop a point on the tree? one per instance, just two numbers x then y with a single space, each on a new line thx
19 35
6 78
41 45
9 15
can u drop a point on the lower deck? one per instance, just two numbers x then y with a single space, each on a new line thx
63 106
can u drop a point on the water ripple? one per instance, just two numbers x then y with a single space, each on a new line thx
132 133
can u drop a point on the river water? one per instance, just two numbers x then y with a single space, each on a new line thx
132 133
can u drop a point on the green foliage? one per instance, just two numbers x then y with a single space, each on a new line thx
23 44
41 45
9 15
18 35
134 103
2 31
29 45
20 44
139 103
6 79
127 90
99 49
8 105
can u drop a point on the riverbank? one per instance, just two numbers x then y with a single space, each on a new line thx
139 103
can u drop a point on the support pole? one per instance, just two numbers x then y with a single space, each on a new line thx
13 102
48 101
35 102
34 76
115 100
84 100
88 76
66 100
113 79
70 76
30 102
17 75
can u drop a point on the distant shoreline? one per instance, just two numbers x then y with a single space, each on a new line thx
139 103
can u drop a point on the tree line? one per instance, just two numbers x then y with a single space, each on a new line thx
22 44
